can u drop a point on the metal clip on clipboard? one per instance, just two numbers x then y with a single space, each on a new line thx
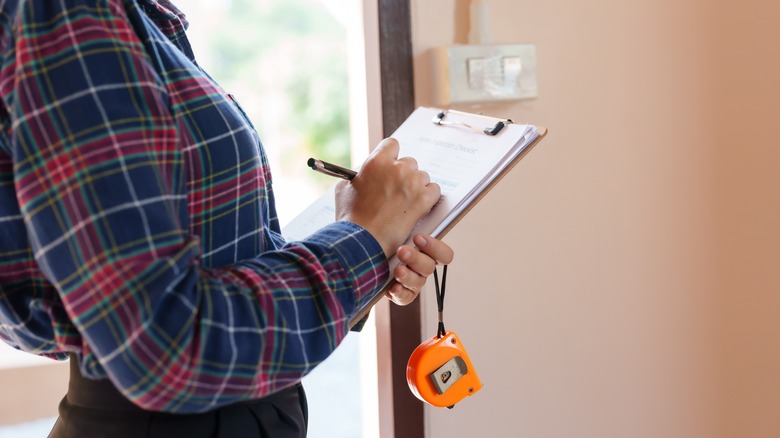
489 130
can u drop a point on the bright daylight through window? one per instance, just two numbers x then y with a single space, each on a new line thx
285 61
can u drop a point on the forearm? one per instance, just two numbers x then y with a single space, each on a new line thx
191 339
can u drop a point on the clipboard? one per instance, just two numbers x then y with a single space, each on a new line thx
466 154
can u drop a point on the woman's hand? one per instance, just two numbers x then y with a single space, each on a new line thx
387 197
417 265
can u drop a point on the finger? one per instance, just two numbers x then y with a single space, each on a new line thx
434 191
425 178
400 295
409 278
415 261
435 248
409 162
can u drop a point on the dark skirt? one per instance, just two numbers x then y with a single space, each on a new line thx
94 409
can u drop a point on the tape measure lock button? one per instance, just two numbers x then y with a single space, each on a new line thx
449 373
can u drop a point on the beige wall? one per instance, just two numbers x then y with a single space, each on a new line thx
749 218
31 393
624 280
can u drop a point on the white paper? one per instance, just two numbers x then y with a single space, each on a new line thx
462 161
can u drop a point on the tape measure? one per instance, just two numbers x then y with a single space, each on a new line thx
439 371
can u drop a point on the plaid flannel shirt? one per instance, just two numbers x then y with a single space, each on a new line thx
137 220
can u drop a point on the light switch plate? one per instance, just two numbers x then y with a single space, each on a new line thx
484 73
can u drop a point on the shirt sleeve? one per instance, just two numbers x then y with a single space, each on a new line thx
99 177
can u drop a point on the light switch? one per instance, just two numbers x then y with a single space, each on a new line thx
476 72
513 66
484 73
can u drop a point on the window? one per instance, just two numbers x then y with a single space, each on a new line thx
286 63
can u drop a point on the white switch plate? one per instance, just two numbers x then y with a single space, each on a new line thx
484 73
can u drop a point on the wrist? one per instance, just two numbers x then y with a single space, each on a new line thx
373 228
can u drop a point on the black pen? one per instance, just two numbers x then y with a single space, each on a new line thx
331 169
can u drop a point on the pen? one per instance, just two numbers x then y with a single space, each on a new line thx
331 169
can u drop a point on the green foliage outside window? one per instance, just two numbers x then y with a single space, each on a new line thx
294 47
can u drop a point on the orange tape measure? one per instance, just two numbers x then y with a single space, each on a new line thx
439 371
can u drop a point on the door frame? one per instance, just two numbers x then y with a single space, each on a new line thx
402 326
382 97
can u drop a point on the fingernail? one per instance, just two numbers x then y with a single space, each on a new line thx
420 241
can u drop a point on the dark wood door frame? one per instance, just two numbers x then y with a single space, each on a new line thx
396 66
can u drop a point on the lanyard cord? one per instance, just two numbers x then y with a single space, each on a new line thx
440 299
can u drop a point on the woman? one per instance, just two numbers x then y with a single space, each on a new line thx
138 233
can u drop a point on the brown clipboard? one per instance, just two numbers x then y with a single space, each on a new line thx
541 133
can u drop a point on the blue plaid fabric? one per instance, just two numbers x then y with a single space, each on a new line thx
137 219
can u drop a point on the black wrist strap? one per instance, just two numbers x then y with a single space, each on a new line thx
440 298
